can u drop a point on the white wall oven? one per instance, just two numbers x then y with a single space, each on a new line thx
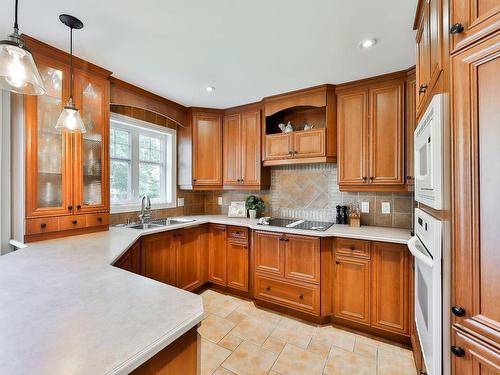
428 149
426 247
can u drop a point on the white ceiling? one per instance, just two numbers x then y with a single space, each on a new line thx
247 49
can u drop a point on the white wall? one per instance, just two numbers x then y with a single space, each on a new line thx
5 176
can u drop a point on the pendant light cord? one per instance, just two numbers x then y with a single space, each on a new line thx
70 61
15 15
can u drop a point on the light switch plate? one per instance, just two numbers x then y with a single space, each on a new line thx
219 201
180 202
386 207
365 207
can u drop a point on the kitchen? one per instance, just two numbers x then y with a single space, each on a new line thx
221 213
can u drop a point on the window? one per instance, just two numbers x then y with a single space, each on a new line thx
142 162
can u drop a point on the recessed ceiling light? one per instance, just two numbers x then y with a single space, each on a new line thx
210 89
368 43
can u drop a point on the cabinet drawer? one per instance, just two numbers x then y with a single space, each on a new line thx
351 247
95 220
44 225
237 233
294 295
72 222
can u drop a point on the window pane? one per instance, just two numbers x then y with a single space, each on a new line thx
155 144
154 156
121 151
144 154
149 180
143 141
120 180
122 136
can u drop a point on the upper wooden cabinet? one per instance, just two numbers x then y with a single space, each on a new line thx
200 151
67 175
242 167
472 20
370 125
476 238
410 125
315 107
430 49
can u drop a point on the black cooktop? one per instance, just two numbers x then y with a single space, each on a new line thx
320 226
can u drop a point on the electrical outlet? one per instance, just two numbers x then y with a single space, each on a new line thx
180 202
365 207
386 207
219 201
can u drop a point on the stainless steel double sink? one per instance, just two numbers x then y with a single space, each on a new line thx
158 223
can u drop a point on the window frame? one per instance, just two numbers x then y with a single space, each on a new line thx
168 179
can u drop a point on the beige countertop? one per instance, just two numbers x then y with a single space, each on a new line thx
65 310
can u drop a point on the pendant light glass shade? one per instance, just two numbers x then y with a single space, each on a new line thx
70 119
18 71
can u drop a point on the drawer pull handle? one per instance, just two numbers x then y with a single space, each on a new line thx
458 351
351 248
237 233
43 225
457 28
268 288
422 89
301 296
458 311
70 208
74 222
99 219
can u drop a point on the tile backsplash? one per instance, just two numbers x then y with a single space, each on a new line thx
311 192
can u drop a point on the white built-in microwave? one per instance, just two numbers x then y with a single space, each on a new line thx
428 157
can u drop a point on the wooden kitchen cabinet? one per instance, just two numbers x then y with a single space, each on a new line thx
217 254
268 253
302 258
472 20
476 238
158 257
352 289
66 174
237 264
279 146
242 151
189 260
131 260
371 134
390 296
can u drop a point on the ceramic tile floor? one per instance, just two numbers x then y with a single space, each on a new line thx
239 338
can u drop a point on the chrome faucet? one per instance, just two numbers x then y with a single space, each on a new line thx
145 214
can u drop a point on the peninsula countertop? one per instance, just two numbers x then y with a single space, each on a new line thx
65 309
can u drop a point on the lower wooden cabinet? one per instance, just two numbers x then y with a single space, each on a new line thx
228 256
189 259
173 258
131 260
472 356
352 289
371 285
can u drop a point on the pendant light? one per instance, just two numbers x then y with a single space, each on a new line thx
18 71
70 119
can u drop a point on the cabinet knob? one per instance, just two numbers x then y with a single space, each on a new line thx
268 288
352 248
372 178
458 311
337 262
194 179
70 208
78 207
99 219
458 351
290 152
408 177
295 152
422 89
365 178
301 296
74 222
43 225
457 28
242 180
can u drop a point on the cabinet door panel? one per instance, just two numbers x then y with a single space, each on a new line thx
410 125
188 259
90 188
309 143
232 150
302 258
207 150
269 257
479 358
386 134
217 254
423 56
279 146
352 289
475 119
131 260
353 137
158 257
48 150
251 143
478 17
390 287
237 265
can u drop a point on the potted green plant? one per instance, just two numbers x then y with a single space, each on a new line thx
253 205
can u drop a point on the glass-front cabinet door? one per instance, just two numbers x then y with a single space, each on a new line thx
91 147
48 150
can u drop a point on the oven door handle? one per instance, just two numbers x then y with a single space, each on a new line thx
419 252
